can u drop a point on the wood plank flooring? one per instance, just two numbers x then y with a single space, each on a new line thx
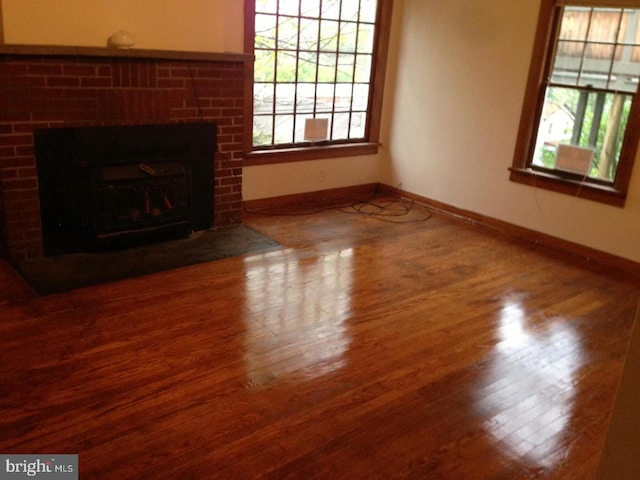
361 349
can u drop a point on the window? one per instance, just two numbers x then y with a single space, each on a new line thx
320 59
579 127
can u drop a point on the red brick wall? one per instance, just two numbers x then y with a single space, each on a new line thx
45 92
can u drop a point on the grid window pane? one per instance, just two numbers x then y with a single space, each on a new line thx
286 66
305 97
357 125
569 49
358 122
288 7
360 97
348 37
265 66
309 28
575 25
262 130
266 6
263 98
283 132
346 68
350 10
368 10
343 97
365 38
329 31
340 128
310 8
288 33
285 94
324 97
331 9
265 35
327 68
598 51
312 59
363 69
604 25
307 66
567 63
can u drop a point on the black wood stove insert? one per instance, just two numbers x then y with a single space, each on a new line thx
108 187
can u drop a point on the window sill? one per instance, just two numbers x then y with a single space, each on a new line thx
576 188
298 154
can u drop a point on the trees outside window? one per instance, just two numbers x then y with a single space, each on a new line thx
578 132
316 59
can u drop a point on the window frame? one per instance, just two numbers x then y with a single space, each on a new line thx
333 149
521 171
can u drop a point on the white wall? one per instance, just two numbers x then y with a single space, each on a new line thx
458 75
193 25
300 177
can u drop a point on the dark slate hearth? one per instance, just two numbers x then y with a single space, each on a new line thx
49 275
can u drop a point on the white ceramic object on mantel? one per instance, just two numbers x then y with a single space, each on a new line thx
122 39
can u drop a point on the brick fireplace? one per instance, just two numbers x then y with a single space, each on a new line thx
103 89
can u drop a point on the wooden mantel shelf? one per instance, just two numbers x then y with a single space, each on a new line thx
68 51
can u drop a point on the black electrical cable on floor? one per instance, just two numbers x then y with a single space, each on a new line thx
389 209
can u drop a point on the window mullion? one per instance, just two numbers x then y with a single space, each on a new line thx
275 73
336 70
597 119
296 76
615 48
317 73
356 48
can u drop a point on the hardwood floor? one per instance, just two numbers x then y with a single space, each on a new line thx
361 349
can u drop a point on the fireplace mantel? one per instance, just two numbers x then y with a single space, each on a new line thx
69 51
52 87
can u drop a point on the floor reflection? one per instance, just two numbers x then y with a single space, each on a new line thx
303 332
527 394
